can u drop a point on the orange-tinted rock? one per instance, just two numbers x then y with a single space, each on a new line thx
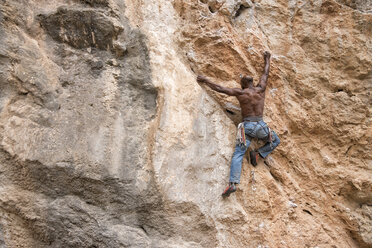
113 143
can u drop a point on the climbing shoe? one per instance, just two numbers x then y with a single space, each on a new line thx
254 157
229 189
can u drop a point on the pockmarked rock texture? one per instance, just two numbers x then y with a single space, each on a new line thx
107 140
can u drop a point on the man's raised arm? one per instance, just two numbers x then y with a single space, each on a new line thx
265 75
218 88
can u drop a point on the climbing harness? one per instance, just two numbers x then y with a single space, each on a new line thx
241 138
269 133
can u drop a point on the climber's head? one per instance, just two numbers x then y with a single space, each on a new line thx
246 82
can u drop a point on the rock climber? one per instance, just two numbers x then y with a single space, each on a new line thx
251 99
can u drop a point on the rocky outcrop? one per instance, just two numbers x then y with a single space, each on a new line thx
107 140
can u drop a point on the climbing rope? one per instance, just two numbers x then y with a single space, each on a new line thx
253 181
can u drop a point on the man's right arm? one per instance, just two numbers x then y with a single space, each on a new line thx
265 75
218 88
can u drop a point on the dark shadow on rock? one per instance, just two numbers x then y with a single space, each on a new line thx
81 28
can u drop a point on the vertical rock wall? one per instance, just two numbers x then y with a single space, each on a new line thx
108 141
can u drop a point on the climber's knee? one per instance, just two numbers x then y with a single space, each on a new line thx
276 140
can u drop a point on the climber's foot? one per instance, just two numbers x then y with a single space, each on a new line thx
254 157
229 189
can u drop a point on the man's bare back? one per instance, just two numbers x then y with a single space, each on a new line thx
251 99
252 102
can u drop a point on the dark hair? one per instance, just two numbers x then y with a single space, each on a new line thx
247 79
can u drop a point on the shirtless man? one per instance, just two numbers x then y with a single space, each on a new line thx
251 100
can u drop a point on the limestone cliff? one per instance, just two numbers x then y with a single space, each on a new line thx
107 140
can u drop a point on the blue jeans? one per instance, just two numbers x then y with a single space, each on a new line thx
258 130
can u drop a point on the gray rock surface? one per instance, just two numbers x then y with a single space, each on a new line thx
106 139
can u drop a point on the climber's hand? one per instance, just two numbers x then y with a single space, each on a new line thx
201 79
267 55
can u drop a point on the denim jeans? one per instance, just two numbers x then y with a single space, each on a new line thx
258 130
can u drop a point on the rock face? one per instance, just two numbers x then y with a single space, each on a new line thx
107 140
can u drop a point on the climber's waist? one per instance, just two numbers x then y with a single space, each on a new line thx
253 118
